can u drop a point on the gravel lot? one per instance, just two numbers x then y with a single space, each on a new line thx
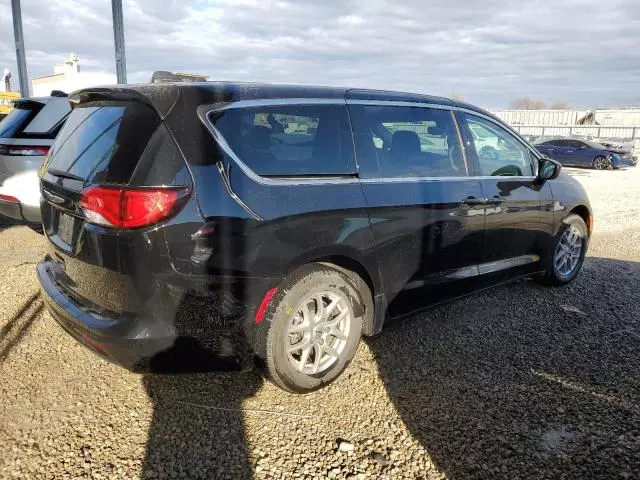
518 382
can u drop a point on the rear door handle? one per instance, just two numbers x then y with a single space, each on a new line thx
496 199
474 201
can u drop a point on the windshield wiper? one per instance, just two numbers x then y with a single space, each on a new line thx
62 174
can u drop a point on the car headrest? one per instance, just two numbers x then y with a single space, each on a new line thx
260 137
405 142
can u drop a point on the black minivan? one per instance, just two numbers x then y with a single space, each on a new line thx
214 226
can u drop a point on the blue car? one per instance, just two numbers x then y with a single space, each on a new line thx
583 153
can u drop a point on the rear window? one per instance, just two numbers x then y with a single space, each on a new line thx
14 123
289 140
101 143
47 122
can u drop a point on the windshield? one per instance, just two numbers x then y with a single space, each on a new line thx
593 144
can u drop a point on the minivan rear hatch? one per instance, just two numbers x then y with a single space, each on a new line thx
105 148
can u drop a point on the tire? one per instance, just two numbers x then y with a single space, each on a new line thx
601 163
294 371
556 275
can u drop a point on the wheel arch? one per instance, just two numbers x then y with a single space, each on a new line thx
350 260
583 212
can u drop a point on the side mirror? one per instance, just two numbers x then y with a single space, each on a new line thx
548 169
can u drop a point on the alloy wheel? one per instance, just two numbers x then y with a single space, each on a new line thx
317 333
600 163
568 252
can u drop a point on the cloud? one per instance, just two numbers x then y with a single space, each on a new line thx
490 51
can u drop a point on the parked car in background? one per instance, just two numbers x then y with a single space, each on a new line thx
208 226
624 149
26 134
584 153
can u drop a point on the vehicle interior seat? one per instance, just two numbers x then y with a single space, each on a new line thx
404 154
259 143
325 147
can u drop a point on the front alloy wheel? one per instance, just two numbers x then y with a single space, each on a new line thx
600 163
566 255
568 252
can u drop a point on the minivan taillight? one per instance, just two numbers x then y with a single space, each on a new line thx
23 150
131 207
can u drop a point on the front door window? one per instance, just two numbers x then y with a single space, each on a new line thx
499 153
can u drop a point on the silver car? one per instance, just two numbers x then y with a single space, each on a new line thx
26 135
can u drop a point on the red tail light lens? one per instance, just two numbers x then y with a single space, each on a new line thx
23 150
9 198
131 207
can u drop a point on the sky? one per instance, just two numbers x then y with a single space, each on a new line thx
489 52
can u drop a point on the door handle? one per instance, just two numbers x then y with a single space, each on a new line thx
495 200
474 201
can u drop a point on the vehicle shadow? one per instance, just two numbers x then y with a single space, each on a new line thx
517 382
524 381
6 222
197 430
17 327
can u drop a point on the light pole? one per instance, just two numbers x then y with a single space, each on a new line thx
22 63
118 37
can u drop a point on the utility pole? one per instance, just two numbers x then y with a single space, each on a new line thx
118 37
22 63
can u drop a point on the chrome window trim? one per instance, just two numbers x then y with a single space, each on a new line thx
269 102
204 111
433 179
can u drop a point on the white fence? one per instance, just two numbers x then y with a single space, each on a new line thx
594 131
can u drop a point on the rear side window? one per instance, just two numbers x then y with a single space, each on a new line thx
101 143
289 140
409 141
14 123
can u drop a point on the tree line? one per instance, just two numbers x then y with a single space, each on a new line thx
528 103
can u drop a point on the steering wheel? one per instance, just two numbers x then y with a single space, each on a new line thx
508 171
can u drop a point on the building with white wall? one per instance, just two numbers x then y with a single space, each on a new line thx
67 77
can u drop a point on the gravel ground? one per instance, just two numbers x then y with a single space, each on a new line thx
517 382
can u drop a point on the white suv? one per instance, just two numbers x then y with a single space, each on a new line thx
26 135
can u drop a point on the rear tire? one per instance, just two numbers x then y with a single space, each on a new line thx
601 163
302 347
565 259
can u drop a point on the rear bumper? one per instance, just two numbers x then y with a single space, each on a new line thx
143 344
16 210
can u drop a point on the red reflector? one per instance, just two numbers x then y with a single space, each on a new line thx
265 304
131 207
9 198
23 150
